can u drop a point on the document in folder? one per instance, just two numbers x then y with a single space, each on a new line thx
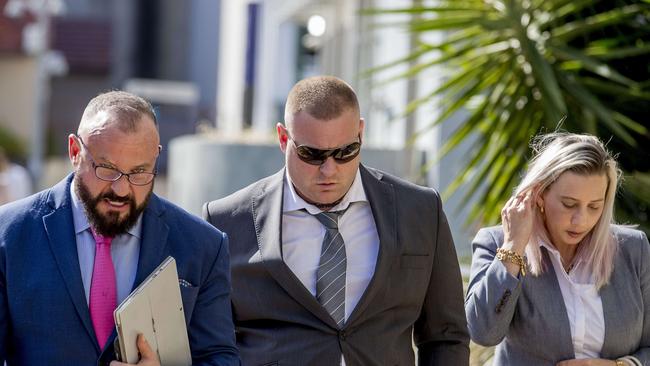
154 309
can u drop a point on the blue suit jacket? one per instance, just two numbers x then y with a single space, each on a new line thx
44 316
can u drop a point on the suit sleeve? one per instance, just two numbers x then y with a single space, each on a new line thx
440 333
643 353
212 334
492 293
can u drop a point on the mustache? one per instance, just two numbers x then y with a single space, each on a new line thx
112 196
109 223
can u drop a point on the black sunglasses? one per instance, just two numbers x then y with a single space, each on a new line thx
313 156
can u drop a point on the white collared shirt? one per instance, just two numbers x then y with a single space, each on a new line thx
583 305
302 237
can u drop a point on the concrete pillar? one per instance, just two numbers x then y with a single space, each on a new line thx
230 76
272 52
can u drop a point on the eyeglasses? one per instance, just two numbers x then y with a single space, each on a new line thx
313 156
109 174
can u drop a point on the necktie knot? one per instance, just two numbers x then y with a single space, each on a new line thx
330 219
101 239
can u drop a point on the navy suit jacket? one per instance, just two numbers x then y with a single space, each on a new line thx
44 316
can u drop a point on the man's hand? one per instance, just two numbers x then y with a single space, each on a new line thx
147 356
587 362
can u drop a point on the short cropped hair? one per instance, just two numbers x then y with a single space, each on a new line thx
322 97
127 109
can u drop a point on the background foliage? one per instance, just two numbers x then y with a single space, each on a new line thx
13 146
516 68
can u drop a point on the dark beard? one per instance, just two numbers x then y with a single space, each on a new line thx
110 224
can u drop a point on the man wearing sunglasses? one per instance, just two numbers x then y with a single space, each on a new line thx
71 253
335 263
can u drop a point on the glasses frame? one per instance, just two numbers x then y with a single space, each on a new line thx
325 153
121 173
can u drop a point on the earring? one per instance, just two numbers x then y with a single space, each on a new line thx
541 209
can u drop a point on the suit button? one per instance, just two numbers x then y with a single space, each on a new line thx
505 296
502 301
342 334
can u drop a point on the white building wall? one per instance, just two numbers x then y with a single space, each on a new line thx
352 44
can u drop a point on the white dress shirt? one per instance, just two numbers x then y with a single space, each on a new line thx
583 305
302 237
303 234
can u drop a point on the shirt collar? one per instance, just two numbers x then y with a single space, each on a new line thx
556 253
543 243
80 220
293 202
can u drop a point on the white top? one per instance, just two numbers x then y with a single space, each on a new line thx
583 305
302 237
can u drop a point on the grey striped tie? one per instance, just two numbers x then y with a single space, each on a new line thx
330 280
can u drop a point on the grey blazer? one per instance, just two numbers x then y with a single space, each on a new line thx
527 318
415 293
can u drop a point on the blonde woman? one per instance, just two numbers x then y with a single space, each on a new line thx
558 283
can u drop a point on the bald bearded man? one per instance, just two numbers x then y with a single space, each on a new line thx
71 253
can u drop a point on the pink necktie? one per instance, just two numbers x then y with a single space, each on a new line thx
103 290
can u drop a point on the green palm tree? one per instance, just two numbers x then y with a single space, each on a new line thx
520 67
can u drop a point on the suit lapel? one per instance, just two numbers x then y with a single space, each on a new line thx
59 227
545 290
153 250
267 215
153 246
612 311
615 309
381 196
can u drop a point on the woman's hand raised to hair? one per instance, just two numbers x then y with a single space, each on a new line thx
517 218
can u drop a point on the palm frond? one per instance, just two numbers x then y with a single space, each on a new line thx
516 68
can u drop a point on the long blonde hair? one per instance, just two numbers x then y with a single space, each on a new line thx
559 152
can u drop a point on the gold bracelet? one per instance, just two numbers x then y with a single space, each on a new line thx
506 255
619 362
